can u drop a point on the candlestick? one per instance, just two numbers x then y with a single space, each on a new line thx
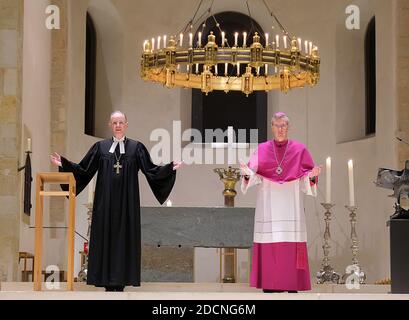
236 39
266 39
244 39
328 173
351 183
327 273
223 38
190 40
29 144
181 39
354 269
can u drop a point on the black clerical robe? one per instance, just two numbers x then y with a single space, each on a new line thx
115 245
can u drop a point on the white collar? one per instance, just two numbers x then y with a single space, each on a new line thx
115 143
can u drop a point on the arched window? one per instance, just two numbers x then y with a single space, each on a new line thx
90 76
219 110
370 77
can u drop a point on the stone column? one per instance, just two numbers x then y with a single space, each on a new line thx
11 29
402 78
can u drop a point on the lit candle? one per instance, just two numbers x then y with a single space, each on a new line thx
328 173
244 39
164 41
181 39
277 41
168 203
223 38
153 44
29 144
266 69
199 39
236 39
299 44
238 68
351 183
306 46
225 68
266 39
190 40
91 191
285 42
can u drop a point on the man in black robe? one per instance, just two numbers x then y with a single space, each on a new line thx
114 259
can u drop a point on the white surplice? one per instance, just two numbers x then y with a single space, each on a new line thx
280 215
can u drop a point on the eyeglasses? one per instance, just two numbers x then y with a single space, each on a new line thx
283 126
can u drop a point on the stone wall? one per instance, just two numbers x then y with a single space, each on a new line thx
402 77
11 29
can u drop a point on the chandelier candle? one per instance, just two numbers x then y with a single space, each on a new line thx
277 41
199 40
158 42
181 39
285 42
223 38
164 41
190 40
266 35
299 44
236 39
244 39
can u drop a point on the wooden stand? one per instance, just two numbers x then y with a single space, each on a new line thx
41 180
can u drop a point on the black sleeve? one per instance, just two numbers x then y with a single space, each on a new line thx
83 171
160 178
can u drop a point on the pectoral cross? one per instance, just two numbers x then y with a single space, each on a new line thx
117 166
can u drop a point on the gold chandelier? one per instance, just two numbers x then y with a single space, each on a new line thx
283 64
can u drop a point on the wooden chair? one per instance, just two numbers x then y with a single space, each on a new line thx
41 180
25 273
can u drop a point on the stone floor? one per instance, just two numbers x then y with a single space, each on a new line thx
194 291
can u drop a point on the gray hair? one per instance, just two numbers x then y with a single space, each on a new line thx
280 116
120 112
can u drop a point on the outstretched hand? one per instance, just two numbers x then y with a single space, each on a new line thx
315 172
177 164
56 159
